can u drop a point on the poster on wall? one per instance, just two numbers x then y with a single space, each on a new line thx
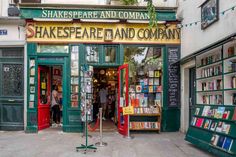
173 54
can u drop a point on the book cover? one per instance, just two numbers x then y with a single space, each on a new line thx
205 110
159 89
207 124
151 73
31 80
219 127
145 81
156 81
158 96
145 89
225 128
197 111
199 122
226 115
234 116
220 112
143 102
150 89
220 141
227 143
234 99
193 122
214 139
138 88
213 126
157 73
150 81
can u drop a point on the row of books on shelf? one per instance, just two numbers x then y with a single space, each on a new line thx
145 99
210 59
144 125
212 99
219 113
146 110
212 85
145 88
231 65
222 142
211 125
211 71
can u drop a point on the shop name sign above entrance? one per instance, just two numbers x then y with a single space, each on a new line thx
78 14
92 32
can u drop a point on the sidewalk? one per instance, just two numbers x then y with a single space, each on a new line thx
54 143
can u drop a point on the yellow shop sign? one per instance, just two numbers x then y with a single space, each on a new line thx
101 32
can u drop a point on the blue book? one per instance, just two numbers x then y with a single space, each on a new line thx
227 143
221 141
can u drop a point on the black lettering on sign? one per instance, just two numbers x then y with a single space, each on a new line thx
173 54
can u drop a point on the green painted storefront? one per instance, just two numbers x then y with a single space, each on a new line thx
71 115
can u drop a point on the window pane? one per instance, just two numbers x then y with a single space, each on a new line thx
110 54
74 75
52 49
11 52
92 54
12 79
145 76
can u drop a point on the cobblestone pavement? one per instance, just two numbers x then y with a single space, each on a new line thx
54 143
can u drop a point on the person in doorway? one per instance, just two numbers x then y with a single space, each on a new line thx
55 106
103 100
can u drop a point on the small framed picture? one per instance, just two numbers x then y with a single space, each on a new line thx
31 80
32 71
209 13
32 63
32 89
31 104
31 97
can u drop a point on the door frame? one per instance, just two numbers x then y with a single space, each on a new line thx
65 86
123 129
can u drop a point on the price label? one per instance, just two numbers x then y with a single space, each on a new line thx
128 110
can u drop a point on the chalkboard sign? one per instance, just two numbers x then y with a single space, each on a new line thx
173 97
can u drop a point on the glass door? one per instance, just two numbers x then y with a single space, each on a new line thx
123 98
43 97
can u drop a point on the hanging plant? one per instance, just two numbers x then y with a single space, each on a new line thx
150 8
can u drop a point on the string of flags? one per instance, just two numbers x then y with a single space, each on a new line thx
196 22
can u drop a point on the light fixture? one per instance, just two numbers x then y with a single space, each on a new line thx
99 20
137 21
50 19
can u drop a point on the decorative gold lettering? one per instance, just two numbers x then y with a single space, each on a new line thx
140 31
78 32
38 31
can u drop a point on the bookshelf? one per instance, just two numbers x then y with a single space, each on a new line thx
145 96
213 124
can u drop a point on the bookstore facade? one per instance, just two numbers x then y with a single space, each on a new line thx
82 51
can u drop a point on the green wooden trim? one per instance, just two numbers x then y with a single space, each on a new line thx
227 73
202 78
165 79
223 105
206 91
229 57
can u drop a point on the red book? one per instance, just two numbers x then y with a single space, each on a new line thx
199 122
234 116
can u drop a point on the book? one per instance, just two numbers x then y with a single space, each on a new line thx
227 143
234 99
219 127
234 116
145 89
150 81
213 126
138 88
31 80
197 111
206 110
199 122
193 122
156 81
207 124
150 89
225 128
214 139
230 51
159 89
157 73
220 141
145 81
151 73
220 112
226 115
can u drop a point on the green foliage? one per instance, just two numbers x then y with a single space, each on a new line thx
129 2
151 10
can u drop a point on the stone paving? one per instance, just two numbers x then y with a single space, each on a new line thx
55 143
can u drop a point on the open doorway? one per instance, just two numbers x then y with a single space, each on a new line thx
105 78
49 97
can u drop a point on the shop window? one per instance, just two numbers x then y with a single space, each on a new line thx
92 55
52 49
74 75
110 54
145 77
11 52
12 78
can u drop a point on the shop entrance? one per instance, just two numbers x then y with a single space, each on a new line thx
49 96
105 87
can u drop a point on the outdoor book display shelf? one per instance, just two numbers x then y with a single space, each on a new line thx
213 125
146 96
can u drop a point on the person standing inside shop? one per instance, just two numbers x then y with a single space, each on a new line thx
55 106
103 100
